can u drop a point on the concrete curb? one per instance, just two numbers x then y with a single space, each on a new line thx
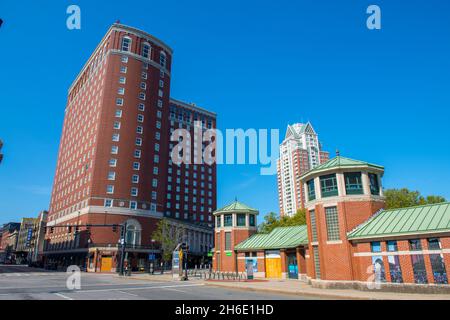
294 293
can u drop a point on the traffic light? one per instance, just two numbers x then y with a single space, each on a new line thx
114 228
52 229
69 229
77 229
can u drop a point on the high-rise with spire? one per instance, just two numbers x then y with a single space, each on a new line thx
300 152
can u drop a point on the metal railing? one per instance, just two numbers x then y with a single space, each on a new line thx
207 274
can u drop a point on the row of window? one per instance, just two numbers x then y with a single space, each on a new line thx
146 50
241 220
417 261
353 185
332 223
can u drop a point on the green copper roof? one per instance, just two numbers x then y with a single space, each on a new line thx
433 218
236 206
279 238
341 163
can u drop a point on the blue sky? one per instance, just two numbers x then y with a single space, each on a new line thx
380 96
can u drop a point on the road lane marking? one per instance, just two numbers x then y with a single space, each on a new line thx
131 294
139 288
62 296
171 289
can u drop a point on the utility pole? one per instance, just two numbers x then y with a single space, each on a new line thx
1 154
123 235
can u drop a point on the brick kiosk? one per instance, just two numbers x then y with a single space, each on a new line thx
234 223
341 194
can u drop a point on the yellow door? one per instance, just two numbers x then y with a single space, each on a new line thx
273 268
106 264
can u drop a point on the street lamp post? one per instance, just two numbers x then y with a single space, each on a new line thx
122 249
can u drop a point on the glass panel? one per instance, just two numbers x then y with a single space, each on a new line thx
420 273
438 267
227 220
392 245
227 241
375 246
218 222
395 270
311 190
328 185
331 217
374 186
415 245
312 218
316 262
353 183
252 220
434 244
241 220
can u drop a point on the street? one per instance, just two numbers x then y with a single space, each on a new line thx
24 283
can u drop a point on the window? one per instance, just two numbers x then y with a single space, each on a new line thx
375 246
139 141
241 220
111 175
137 153
146 50
143 85
328 185
140 118
434 244
252 220
135 178
316 262
119 101
124 59
158 124
154 195
108 203
415 245
162 59
374 186
391 246
228 220
126 43
353 183
117 125
114 150
136 165
142 96
161 84
133 237
109 189
311 190
312 218
331 217
141 107
418 264
133 205
112 162
139 130
218 220
227 241
122 80
121 91
134 192
144 75
438 268
156 171
118 113
123 69
394 269
115 137
156 147
155 183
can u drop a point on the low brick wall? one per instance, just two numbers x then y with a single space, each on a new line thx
384 287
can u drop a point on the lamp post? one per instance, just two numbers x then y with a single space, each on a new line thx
123 234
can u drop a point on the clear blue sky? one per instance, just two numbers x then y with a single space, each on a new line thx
380 96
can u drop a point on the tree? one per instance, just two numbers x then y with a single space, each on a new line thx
272 221
403 198
168 237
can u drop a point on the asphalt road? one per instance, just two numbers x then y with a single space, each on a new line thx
23 283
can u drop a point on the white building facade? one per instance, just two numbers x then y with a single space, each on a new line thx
300 152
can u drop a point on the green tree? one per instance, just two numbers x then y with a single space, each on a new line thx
272 221
403 198
168 237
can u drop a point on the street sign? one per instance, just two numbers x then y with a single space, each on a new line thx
228 254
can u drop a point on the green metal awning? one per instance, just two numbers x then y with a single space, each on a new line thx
427 219
279 238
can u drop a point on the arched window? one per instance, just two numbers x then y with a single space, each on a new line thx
126 44
162 59
146 50
133 237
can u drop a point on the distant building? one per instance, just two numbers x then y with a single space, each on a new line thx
9 241
300 152
38 238
24 237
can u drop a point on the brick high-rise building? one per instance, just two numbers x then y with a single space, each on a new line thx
114 159
300 152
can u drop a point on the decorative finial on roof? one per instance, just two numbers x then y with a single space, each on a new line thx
338 153
235 199
118 21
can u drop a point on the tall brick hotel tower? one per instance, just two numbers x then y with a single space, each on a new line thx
114 158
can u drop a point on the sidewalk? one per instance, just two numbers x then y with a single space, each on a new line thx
301 288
